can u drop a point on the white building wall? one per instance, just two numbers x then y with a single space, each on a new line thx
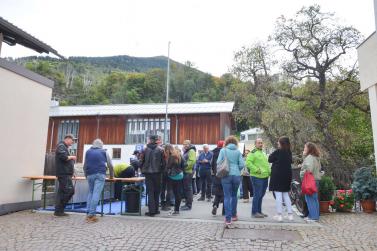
373 110
24 107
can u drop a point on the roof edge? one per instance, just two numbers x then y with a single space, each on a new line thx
26 73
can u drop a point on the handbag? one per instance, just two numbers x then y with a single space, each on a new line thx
308 185
222 169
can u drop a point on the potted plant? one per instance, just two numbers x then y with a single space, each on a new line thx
343 201
365 188
326 193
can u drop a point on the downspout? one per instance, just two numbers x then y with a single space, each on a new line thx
98 118
52 134
176 129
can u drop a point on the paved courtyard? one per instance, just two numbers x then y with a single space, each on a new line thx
42 231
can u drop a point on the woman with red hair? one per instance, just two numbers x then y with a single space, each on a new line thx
217 188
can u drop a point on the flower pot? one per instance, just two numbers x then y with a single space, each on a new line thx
369 206
324 206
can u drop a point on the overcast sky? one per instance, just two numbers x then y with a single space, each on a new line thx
205 32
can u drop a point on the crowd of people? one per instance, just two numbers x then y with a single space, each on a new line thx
174 175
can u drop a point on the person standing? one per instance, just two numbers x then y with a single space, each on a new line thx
231 182
174 169
217 187
312 164
97 160
281 177
204 161
247 188
259 170
153 164
64 172
189 155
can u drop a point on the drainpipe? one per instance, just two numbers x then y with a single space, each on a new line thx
176 129
52 134
98 118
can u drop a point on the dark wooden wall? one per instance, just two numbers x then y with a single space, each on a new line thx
111 130
199 128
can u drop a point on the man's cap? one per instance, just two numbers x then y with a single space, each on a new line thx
70 135
136 152
153 138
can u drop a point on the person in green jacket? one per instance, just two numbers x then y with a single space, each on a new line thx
189 156
121 170
259 170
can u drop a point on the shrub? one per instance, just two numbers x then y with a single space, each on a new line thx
364 184
326 188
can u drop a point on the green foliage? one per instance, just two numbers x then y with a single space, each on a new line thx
326 188
365 183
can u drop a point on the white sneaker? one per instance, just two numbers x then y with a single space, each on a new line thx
290 217
278 218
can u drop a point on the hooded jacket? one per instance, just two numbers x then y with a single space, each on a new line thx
190 157
235 160
153 160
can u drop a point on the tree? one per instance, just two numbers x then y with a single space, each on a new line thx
315 43
252 66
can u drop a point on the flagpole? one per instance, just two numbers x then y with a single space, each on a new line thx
167 97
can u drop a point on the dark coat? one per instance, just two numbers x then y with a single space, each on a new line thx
153 160
217 186
215 152
63 165
281 170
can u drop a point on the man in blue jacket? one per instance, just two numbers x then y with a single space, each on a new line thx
97 160
204 162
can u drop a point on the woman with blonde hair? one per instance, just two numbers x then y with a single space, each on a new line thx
312 164
231 182
174 168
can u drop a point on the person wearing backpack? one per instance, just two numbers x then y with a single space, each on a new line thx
231 182
175 165
312 164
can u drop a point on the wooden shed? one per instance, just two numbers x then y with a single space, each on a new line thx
131 124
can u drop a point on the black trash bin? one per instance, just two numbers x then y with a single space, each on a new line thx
131 195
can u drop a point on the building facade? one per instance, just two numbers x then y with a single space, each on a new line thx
131 124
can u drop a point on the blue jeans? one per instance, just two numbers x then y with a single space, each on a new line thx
230 186
259 189
313 204
96 183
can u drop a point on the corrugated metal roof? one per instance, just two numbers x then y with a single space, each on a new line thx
141 109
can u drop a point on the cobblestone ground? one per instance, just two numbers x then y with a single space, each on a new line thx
42 231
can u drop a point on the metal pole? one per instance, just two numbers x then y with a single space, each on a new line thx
1 41
167 97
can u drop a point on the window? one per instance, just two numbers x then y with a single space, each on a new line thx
117 153
139 129
69 126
